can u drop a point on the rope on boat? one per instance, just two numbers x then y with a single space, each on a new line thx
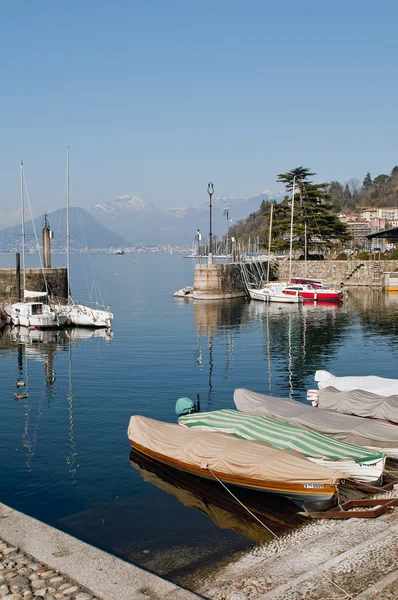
241 503
346 596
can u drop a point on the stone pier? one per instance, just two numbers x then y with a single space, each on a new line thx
218 282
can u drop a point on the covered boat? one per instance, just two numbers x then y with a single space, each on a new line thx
372 433
369 383
357 402
249 464
358 462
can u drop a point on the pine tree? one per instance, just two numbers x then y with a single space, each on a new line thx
313 223
367 182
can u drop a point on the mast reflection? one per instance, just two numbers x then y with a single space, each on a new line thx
214 318
35 347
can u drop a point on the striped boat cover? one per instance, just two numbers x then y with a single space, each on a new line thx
280 435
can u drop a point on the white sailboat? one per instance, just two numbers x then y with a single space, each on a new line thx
273 292
79 314
33 313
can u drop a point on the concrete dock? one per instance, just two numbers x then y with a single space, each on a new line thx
320 560
60 566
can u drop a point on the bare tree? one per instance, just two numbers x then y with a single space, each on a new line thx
354 185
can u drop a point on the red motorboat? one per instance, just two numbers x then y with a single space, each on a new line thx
309 293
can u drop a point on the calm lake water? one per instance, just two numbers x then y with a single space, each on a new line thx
64 453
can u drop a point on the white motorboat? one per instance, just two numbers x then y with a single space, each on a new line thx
273 293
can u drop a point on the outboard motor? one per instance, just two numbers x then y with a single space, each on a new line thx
185 406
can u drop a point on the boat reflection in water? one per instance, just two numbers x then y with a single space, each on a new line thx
35 348
275 514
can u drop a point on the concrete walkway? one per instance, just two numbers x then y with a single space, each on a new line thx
103 576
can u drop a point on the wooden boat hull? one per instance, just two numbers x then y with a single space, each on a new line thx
307 494
182 449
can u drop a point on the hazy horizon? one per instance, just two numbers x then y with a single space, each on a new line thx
156 100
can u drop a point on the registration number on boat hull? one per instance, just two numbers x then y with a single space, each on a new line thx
314 486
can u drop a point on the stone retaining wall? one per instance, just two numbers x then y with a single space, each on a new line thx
338 272
56 281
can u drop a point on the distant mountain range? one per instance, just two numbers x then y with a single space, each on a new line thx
130 221
142 223
85 232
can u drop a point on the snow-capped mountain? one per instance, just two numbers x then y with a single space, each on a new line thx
129 220
121 205
143 223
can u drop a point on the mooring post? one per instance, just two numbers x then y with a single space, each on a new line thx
46 244
18 276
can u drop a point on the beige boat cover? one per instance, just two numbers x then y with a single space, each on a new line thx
360 403
355 430
226 454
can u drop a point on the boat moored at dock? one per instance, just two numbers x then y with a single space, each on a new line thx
372 433
357 462
245 463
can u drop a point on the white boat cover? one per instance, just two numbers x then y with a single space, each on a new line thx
225 454
29 294
360 403
355 430
369 383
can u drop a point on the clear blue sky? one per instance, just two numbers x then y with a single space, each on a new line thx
157 98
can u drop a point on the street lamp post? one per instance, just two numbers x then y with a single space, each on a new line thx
226 215
210 191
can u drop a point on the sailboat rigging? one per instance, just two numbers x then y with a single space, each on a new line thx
34 314
271 292
79 314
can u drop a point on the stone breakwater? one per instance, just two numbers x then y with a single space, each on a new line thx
22 578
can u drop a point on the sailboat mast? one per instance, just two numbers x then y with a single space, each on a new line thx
269 240
291 231
23 229
67 224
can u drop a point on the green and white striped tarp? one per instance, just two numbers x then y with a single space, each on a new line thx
278 434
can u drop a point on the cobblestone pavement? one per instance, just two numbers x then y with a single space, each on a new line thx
22 578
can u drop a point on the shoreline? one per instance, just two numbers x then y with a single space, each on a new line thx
353 558
91 574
